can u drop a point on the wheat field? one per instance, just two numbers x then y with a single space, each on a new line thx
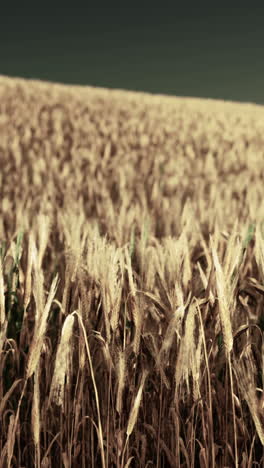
131 279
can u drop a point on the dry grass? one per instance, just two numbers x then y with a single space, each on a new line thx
131 279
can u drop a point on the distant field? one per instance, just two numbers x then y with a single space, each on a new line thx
131 279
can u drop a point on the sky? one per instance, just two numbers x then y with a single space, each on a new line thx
207 51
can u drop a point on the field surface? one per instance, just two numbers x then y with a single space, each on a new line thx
131 279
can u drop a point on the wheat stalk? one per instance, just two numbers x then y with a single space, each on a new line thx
223 301
62 362
40 328
134 412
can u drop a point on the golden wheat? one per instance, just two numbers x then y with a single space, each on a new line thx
148 228
62 363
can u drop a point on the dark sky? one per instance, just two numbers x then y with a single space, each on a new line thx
213 51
